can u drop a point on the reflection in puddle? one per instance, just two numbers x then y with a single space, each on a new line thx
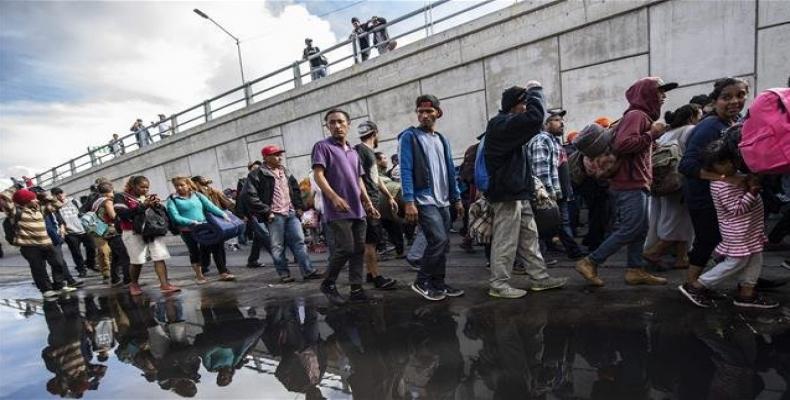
211 346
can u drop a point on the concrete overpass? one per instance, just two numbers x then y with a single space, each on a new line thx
586 53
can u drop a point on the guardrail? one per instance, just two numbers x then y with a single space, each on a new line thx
345 54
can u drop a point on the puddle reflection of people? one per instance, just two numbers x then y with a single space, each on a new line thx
176 361
100 327
292 334
64 355
226 339
133 318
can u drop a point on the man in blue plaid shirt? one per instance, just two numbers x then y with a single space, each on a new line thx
550 165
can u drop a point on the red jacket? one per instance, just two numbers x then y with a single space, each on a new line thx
633 142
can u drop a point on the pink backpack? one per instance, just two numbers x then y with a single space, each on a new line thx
765 138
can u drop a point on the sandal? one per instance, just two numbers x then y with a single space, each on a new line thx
201 281
227 277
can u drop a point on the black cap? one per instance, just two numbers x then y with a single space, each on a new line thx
366 128
555 111
665 87
512 96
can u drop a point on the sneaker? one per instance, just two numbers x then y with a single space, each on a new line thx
76 284
358 296
50 294
536 285
255 265
427 291
697 296
134 289
67 289
168 288
383 283
414 265
589 270
638 276
451 291
313 275
286 279
330 291
786 264
82 274
756 301
507 293
116 283
550 262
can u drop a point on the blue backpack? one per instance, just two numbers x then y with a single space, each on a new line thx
481 172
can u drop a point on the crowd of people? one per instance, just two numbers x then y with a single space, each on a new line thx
656 188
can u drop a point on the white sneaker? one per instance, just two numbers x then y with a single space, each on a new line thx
67 289
507 293
50 294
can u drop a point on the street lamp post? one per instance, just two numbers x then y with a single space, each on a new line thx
238 46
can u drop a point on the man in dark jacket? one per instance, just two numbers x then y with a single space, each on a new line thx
273 199
633 142
510 189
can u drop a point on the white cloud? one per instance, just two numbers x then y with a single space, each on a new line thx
126 60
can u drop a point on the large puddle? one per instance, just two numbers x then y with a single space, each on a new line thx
208 345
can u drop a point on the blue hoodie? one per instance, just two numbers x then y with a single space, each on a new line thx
414 170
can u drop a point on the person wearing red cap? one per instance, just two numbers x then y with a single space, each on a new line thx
633 142
274 200
30 234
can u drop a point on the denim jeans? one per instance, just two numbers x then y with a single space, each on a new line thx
630 228
260 240
417 248
566 233
286 230
435 225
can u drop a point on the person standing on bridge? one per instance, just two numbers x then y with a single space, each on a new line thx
338 173
429 188
317 63
141 133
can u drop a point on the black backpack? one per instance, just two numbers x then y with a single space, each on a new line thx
171 224
88 204
151 223
11 226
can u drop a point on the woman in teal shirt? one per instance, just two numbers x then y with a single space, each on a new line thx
186 209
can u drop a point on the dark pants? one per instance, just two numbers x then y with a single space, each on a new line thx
394 234
74 241
119 259
706 236
599 212
348 236
260 240
37 257
201 254
435 225
62 261
781 229
572 248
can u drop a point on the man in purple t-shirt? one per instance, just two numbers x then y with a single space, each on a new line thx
338 173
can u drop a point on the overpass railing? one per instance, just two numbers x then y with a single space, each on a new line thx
412 26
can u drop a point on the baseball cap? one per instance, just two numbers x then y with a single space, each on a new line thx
366 128
666 86
271 150
555 111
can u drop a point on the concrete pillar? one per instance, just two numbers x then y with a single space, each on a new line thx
207 110
355 48
297 75
174 124
248 93
73 167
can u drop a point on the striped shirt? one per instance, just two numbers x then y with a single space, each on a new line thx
31 228
741 222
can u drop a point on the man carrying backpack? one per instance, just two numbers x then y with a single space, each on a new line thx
510 189
633 145
75 233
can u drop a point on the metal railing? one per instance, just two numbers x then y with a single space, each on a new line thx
344 55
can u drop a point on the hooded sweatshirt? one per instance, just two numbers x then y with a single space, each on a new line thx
633 141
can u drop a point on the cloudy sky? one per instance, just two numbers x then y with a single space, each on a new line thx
73 73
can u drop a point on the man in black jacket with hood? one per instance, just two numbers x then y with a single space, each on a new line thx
511 187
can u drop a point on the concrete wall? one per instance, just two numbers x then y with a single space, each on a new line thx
586 53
